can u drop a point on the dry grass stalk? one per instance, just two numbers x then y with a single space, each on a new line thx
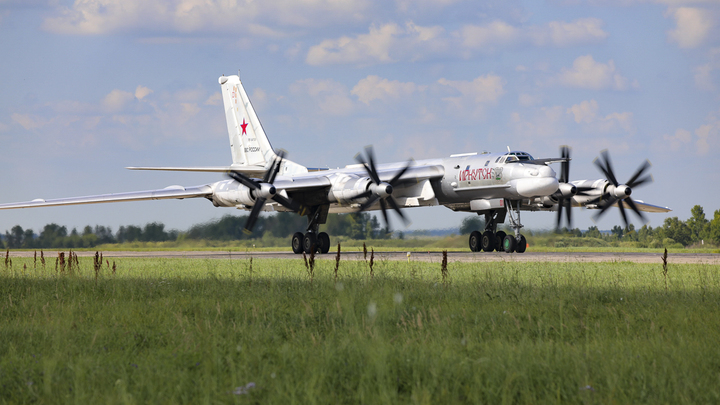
35 260
443 267
364 251
372 262
97 264
42 258
114 268
337 262
665 268
7 258
61 260
311 263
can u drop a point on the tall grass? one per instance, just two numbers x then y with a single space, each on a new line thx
201 331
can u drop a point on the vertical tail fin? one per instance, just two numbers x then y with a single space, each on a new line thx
248 142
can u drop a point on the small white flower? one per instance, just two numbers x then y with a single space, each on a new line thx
339 286
372 309
398 298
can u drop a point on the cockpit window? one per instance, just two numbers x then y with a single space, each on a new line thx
518 156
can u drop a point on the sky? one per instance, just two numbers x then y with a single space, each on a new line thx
92 86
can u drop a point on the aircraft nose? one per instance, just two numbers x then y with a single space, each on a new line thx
546 171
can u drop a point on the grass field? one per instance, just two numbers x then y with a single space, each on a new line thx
267 331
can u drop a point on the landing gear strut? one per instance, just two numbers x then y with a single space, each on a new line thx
312 239
492 239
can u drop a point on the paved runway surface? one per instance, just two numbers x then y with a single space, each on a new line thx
432 256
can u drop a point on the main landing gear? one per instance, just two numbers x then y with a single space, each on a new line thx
312 239
492 239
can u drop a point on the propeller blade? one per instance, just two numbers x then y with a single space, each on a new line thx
254 214
608 166
364 194
558 221
373 169
383 207
646 179
244 180
275 168
369 202
644 166
286 202
400 173
568 212
394 206
635 209
622 212
565 166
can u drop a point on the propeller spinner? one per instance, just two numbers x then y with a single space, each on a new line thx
380 190
263 190
620 193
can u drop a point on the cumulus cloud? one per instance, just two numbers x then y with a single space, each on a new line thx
382 44
483 89
693 25
708 135
675 142
587 113
116 100
705 74
330 97
392 42
374 88
555 33
586 73
141 92
270 18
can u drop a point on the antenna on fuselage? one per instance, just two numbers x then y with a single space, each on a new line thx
508 148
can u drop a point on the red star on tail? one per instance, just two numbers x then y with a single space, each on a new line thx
244 127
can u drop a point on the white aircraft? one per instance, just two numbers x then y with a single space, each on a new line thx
493 185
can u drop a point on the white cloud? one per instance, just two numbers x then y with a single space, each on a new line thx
374 88
384 44
483 89
215 99
586 73
141 92
693 26
116 100
704 74
29 121
258 18
586 113
708 135
329 96
555 33
675 142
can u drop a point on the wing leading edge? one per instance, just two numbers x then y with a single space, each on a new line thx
172 192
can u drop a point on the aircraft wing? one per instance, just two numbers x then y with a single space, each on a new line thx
252 171
642 206
172 192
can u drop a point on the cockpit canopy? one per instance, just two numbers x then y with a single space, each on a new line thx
514 156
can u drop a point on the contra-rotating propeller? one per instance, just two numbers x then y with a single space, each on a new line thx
566 190
620 193
379 190
264 190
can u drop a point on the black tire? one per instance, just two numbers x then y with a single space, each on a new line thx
509 244
488 241
309 242
521 244
323 241
499 238
475 240
297 243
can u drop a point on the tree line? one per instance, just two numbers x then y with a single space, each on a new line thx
230 227
696 229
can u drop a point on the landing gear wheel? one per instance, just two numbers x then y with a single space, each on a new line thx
309 242
323 242
521 244
297 243
499 238
488 241
475 240
509 244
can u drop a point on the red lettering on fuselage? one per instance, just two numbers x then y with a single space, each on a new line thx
483 173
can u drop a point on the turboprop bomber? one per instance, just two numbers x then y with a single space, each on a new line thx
496 185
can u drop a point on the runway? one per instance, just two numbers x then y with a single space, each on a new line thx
431 256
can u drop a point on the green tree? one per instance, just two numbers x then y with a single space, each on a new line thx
677 230
714 228
470 224
697 223
52 236
592 232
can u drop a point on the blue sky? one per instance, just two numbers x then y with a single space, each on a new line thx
96 85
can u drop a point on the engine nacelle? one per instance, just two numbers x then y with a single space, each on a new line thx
230 193
567 190
346 187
